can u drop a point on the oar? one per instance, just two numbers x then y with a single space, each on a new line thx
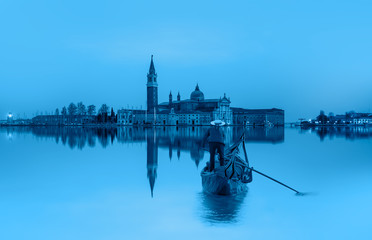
246 157
297 192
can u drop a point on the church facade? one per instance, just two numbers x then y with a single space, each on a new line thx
196 110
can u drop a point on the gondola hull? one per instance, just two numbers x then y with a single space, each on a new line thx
217 183
231 178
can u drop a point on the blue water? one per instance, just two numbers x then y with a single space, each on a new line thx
75 183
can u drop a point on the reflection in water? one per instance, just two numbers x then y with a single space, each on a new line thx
110 188
221 209
179 138
182 139
152 158
348 132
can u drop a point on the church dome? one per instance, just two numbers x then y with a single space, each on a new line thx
197 95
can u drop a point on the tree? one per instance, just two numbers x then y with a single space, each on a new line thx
57 112
103 109
64 111
102 113
81 110
72 109
349 115
91 110
331 117
322 118
112 117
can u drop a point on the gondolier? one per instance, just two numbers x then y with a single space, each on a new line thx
232 177
216 142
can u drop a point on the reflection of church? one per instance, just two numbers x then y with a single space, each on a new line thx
175 140
197 110
152 158
189 140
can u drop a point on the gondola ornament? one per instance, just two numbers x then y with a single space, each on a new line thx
232 178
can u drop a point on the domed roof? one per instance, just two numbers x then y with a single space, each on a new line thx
197 95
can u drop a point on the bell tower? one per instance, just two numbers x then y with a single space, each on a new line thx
170 100
152 88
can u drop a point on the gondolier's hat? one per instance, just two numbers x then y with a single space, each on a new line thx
217 123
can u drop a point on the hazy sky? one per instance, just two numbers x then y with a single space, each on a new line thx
301 56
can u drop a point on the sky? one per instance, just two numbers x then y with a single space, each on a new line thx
300 56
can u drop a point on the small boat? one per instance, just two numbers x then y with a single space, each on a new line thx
232 178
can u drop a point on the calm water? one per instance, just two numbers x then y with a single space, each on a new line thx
130 183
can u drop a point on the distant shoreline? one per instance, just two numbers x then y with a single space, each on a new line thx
329 125
182 125
129 125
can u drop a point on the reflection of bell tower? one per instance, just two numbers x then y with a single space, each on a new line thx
170 151
152 158
152 88
197 154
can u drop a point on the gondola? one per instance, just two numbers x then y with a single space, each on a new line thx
233 177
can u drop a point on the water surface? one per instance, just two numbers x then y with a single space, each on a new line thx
135 183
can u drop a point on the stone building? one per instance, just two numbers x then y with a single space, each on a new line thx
363 120
254 117
152 88
10 118
197 110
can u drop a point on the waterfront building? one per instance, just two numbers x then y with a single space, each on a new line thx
363 120
197 110
194 111
124 117
254 117
131 116
340 119
10 118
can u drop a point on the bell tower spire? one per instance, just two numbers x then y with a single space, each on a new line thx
152 67
170 100
152 88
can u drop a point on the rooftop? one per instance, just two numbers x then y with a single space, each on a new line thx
234 109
